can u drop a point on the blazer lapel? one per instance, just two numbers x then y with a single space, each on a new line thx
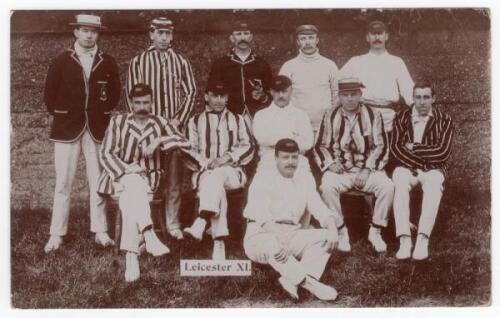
97 60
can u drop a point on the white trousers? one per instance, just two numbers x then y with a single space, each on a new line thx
307 255
334 184
212 188
173 189
134 196
66 157
432 188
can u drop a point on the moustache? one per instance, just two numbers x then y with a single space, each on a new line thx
243 41
377 42
291 166
142 112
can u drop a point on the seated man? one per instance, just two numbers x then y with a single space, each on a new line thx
222 145
131 171
281 120
277 201
421 145
352 151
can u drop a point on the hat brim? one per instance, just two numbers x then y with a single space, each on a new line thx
90 25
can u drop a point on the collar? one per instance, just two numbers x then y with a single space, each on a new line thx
83 51
311 57
416 116
209 111
356 113
152 48
287 107
235 58
131 120
370 52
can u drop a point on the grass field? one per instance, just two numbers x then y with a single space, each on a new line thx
83 276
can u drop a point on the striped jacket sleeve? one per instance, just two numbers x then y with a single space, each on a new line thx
134 76
195 161
189 88
243 151
324 154
109 155
398 148
378 155
438 152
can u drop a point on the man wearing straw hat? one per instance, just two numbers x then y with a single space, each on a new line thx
81 89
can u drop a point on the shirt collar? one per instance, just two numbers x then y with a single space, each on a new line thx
310 57
416 116
209 111
345 115
83 51
287 107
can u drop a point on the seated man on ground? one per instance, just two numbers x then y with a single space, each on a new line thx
277 201
352 150
130 156
421 144
222 145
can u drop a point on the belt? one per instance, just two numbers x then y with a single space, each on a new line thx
288 222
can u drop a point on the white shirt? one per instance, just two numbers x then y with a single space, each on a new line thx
86 57
314 81
273 197
274 123
419 123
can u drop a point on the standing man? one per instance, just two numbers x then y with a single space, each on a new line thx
282 120
352 150
246 75
130 156
223 145
276 203
171 79
81 89
388 84
314 77
421 145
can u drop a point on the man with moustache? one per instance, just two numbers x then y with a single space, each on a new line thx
351 151
130 156
223 146
388 84
421 145
277 201
81 89
246 75
314 77
282 120
171 79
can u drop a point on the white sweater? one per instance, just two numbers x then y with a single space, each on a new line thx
314 81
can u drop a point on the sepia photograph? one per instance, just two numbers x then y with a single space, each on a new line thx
250 158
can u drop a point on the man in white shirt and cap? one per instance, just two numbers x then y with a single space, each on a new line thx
277 201
385 76
281 120
314 77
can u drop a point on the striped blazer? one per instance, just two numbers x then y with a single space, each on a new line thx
435 148
171 80
123 145
213 135
362 143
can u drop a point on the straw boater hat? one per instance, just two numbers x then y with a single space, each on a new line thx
88 20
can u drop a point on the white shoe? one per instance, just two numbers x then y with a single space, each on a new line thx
103 239
318 289
344 244
176 234
421 250
196 230
219 252
154 245
375 237
290 288
53 244
132 271
404 251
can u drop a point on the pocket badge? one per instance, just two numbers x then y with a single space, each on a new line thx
103 94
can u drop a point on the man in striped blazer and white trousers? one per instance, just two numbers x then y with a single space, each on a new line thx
130 157
223 145
422 138
171 79
351 150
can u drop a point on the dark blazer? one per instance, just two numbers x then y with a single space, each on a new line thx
435 148
74 103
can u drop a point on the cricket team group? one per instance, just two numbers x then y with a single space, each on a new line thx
297 140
